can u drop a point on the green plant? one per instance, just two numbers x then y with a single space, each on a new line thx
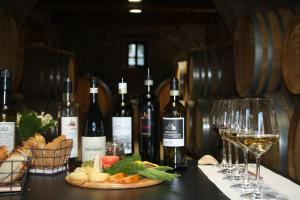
29 122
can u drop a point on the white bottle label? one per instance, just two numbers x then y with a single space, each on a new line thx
122 132
173 132
92 146
93 90
69 128
7 135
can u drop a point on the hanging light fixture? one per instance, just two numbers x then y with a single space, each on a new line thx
135 11
134 1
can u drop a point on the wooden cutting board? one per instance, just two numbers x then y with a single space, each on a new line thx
111 185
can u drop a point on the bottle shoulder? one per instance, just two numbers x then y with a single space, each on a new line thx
123 109
8 114
174 109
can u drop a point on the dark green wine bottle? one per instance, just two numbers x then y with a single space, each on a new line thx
93 139
148 124
173 129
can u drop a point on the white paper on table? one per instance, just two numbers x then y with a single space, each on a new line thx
285 187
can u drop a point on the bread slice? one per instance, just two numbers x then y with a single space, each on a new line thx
13 167
3 152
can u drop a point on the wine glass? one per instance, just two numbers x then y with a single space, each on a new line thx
233 122
215 112
227 123
242 126
260 132
221 123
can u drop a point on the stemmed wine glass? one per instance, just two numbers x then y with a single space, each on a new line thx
233 121
242 126
259 131
226 119
218 105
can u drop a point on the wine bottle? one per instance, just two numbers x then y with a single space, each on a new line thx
7 114
93 139
148 124
173 129
68 117
122 131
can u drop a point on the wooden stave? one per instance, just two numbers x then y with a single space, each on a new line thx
293 150
209 73
277 157
13 37
205 141
50 66
104 96
292 82
181 75
162 92
189 127
263 81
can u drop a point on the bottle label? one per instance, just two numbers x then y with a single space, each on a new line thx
122 132
146 125
92 146
93 90
69 128
122 88
174 92
7 135
173 132
148 82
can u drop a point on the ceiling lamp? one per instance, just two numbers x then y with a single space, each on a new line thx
134 1
135 11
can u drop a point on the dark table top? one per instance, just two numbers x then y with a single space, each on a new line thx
192 184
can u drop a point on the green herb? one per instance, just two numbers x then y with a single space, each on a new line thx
163 168
128 166
157 174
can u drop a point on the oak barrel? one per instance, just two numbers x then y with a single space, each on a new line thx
258 43
181 75
294 144
277 157
205 141
291 55
44 71
189 127
11 48
210 72
162 92
82 96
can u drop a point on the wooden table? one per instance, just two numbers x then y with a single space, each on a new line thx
192 184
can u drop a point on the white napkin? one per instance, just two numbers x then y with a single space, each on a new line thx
286 188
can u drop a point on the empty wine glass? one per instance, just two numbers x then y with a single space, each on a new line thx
259 133
227 123
221 123
215 112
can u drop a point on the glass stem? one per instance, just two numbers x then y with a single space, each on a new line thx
246 180
236 158
229 156
224 159
258 173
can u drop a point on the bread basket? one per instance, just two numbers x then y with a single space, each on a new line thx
51 161
13 173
